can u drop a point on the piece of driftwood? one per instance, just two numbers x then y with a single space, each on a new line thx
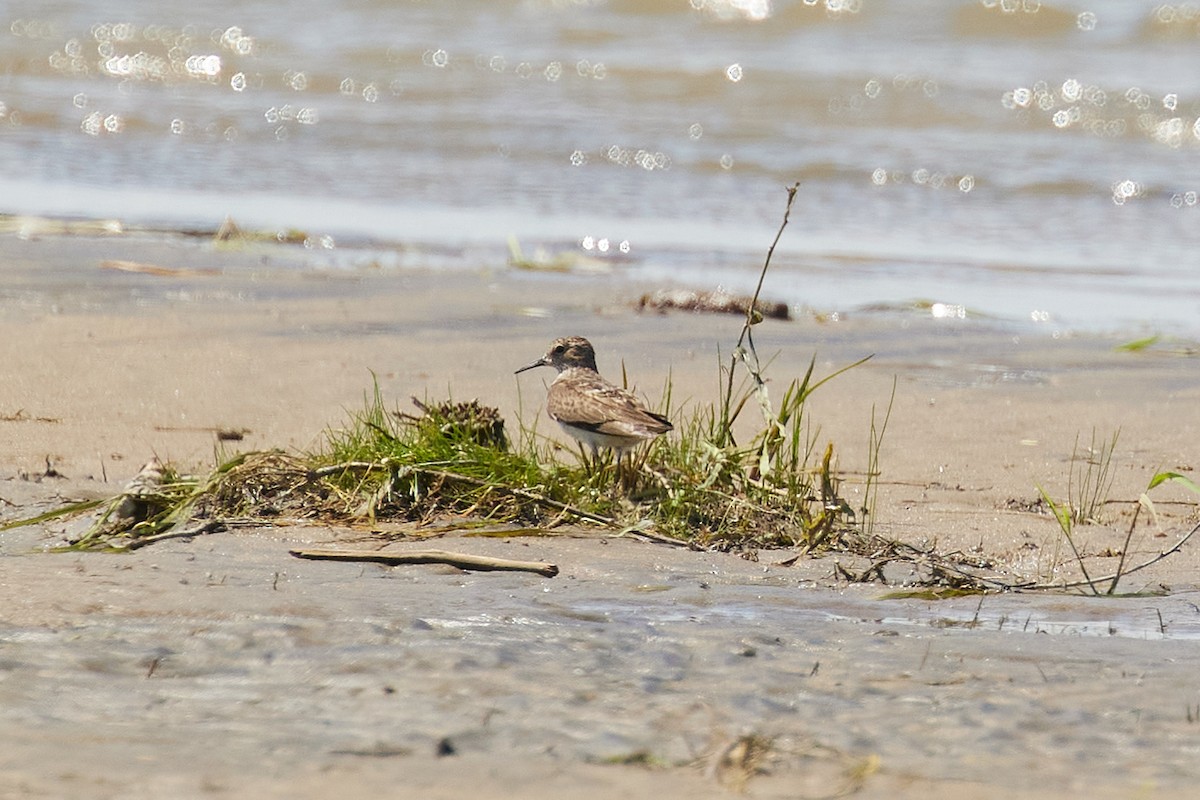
460 560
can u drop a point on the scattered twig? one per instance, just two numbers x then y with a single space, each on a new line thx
21 416
1066 521
1112 587
1075 584
640 531
460 560
51 472
210 526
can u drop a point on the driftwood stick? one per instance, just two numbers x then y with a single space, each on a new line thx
460 560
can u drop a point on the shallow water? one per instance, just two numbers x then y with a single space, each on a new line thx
1033 161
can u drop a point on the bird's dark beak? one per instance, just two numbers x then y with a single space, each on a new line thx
541 362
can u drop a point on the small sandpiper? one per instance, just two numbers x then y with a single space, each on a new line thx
591 409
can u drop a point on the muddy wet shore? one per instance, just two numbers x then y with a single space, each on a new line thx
221 666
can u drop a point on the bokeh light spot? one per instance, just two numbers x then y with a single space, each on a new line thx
296 81
92 124
1125 190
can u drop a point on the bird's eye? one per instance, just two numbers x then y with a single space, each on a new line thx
559 349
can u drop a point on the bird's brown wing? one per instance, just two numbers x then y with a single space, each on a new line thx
590 402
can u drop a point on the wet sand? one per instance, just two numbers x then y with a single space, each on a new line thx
221 666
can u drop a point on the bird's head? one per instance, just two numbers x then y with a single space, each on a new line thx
565 353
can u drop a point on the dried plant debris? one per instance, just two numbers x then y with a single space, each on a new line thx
715 302
21 415
470 420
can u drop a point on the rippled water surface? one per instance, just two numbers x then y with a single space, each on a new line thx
1030 160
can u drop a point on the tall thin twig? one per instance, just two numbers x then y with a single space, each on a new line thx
746 338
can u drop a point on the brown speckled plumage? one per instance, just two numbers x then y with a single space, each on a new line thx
588 407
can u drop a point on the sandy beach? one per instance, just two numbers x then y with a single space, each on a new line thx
222 667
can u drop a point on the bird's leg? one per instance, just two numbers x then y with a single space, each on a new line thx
587 461
626 474
616 465
593 466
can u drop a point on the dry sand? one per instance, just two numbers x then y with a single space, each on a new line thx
222 667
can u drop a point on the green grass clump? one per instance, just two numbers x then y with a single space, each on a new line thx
1091 477
701 486
453 458
777 489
